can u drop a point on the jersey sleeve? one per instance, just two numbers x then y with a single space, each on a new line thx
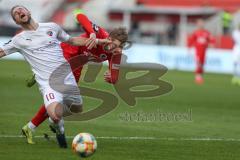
85 23
102 34
9 47
114 67
61 34
90 27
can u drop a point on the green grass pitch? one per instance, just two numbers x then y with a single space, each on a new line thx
212 134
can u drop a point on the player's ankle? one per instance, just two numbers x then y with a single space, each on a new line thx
31 126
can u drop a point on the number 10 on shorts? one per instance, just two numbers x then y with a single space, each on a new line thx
50 96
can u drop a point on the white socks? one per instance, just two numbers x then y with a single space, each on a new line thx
31 126
59 125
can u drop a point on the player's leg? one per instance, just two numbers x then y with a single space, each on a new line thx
55 112
235 78
200 60
54 106
30 127
38 118
236 68
42 115
59 104
72 105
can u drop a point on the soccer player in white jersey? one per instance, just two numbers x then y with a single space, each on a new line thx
39 43
236 56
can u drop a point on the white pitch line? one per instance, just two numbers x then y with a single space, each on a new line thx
140 138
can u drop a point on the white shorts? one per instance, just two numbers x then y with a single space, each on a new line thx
51 96
62 93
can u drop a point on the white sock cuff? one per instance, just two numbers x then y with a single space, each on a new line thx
31 126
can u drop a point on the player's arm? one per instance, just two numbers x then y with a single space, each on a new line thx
8 48
89 42
64 37
191 40
78 41
112 75
83 20
92 30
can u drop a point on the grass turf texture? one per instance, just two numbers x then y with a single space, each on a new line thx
215 114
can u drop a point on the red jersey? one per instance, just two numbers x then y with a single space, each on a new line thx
201 38
96 54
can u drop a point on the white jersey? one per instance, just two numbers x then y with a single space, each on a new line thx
41 48
236 47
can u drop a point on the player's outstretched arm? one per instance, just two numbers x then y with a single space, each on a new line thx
2 53
84 22
78 41
89 42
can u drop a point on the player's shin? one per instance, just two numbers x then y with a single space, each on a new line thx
39 118
55 112
58 129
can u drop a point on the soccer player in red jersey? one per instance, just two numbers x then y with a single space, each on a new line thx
200 40
110 51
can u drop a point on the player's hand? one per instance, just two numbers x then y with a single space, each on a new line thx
107 77
92 41
104 41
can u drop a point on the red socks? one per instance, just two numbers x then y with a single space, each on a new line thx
40 116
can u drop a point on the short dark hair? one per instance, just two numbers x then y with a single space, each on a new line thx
14 8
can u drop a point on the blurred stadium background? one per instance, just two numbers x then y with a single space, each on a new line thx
161 23
159 30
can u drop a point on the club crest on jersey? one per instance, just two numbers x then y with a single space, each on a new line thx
50 33
103 56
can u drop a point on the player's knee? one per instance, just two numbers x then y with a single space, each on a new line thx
76 108
55 119
55 111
